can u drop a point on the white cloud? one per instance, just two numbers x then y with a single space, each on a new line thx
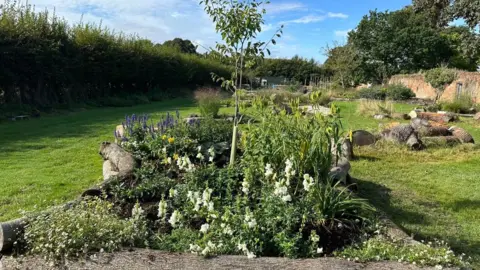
275 8
342 33
337 15
158 20
316 18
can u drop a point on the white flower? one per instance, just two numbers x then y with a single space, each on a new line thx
252 223
162 209
268 170
251 255
190 196
200 156
206 195
211 151
204 228
199 148
137 211
227 229
287 198
319 250
210 206
308 182
206 251
195 248
172 192
174 218
242 247
169 160
210 159
164 150
198 204
245 187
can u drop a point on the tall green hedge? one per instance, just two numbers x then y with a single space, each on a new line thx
44 61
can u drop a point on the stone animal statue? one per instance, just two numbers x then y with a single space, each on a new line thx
117 162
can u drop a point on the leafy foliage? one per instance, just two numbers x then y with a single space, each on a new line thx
46 62
184 46
379 249
398 42
399 92
378 93
439 78
88 227
462 104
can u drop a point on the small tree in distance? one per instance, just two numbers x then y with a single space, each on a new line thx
238 22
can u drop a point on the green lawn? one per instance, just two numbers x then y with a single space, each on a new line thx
432 194
54 158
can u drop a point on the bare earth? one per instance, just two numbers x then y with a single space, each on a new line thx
151 259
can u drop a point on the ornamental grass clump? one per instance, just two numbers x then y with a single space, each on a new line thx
91 226
209 101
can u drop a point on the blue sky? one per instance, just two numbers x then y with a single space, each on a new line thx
309 24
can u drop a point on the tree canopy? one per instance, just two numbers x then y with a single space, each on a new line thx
182 45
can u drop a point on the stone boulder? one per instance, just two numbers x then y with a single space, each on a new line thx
117 162
362 138
400 116
340 172
462 135
404 134
346 151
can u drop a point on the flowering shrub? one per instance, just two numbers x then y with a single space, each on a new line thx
88 227
376 249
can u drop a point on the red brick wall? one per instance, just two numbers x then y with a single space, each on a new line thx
416 82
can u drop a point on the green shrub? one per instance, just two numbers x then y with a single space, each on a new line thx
399 92
376 92
88 227
209 100
379 249
319 98
372 107
438 78
462 104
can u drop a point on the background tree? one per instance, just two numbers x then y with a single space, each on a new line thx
344 62
182 45
465 45
398 42
438 11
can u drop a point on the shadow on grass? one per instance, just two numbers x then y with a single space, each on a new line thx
366 158
80 123
379 196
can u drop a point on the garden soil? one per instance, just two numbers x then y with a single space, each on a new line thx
141 259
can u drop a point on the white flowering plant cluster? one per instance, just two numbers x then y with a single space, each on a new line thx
435 253
91 226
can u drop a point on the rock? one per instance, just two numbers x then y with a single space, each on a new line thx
403 134
477 116
340 171
381 116
435 117
418 123
9 233
192 120
120 162
362 138
400 116
414 114
316 109
346 150
433 131
462 135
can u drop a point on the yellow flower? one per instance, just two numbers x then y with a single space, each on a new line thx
175 156
164 137
171 140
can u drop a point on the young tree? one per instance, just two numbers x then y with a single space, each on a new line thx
238 22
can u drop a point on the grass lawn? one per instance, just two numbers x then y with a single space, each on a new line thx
432 194
54 158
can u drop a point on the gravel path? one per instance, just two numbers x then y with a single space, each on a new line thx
151 259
